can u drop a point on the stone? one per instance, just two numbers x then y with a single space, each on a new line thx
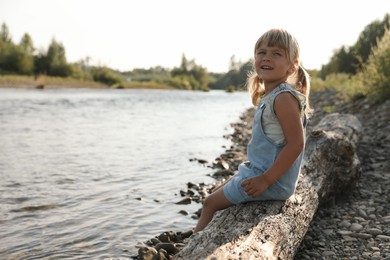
383 237
374 231
356 227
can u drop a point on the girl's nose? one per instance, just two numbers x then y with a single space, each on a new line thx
266 58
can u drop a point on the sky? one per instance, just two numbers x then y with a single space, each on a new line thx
129 34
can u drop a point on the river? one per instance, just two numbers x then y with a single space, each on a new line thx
89 173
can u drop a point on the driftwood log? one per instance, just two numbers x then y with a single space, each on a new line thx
275 229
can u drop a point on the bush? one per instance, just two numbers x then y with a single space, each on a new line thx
376 72
349 87
106 76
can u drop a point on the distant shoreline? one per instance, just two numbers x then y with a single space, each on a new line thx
43 82
48 82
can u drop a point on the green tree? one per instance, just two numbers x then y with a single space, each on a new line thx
376 72
56 59
26 44
24 62
77 71
3 52
233 64
25 55
15 58
182 70
342 61
235 78
368 40
4 34
5 48
41 64
192 76
351 59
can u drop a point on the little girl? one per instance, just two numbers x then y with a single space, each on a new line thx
279 87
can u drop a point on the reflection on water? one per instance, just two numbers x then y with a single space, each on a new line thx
89 173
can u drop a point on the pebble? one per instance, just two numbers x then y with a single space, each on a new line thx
356 227
383 237
345 224
374 231
362 235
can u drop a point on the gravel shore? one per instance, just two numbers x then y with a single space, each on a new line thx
354 225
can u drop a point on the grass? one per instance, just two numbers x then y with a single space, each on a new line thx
144 85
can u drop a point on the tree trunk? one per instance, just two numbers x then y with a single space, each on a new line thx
275 229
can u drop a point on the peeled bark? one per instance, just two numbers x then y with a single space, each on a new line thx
275 229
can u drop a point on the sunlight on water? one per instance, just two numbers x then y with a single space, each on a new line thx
89 173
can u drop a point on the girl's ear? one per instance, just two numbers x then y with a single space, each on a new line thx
294 67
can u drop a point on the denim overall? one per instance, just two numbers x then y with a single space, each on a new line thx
262 152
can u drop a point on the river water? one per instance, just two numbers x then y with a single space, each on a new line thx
89 173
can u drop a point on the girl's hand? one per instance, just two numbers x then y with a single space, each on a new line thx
256 185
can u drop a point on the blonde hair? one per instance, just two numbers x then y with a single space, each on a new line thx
299 80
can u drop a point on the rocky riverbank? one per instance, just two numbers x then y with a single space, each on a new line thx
357 224
353 225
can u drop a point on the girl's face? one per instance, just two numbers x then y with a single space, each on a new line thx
272 64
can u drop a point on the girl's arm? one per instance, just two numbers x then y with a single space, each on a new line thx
287 111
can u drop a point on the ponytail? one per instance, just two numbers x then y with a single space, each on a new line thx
255 87
302 84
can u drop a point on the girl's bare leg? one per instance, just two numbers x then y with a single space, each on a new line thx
220 185
214 202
